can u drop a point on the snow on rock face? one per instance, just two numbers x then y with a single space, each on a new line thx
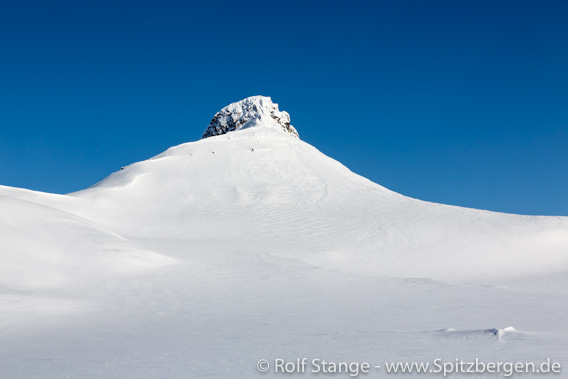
252 111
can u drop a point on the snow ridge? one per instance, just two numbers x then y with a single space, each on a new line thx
252 111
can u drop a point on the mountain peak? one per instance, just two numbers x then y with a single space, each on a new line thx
250 112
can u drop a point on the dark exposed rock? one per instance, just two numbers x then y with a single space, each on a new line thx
249 112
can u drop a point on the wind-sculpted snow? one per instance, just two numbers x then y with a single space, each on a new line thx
254 245
45 247
493 333
252 111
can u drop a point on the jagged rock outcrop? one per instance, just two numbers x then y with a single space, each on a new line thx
252 111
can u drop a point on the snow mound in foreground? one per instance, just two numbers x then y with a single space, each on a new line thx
252 111
496 333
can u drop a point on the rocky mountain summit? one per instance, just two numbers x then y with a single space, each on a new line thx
252 111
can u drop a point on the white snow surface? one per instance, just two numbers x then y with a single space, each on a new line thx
254 245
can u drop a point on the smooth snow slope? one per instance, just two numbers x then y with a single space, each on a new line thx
259 183
253 244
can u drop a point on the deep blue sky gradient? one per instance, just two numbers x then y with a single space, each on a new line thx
459 102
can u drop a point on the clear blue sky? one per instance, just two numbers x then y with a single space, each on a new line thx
458 102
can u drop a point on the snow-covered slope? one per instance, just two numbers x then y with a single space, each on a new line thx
232 220
259 184
44 247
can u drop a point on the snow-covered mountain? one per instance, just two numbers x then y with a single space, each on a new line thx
213 241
